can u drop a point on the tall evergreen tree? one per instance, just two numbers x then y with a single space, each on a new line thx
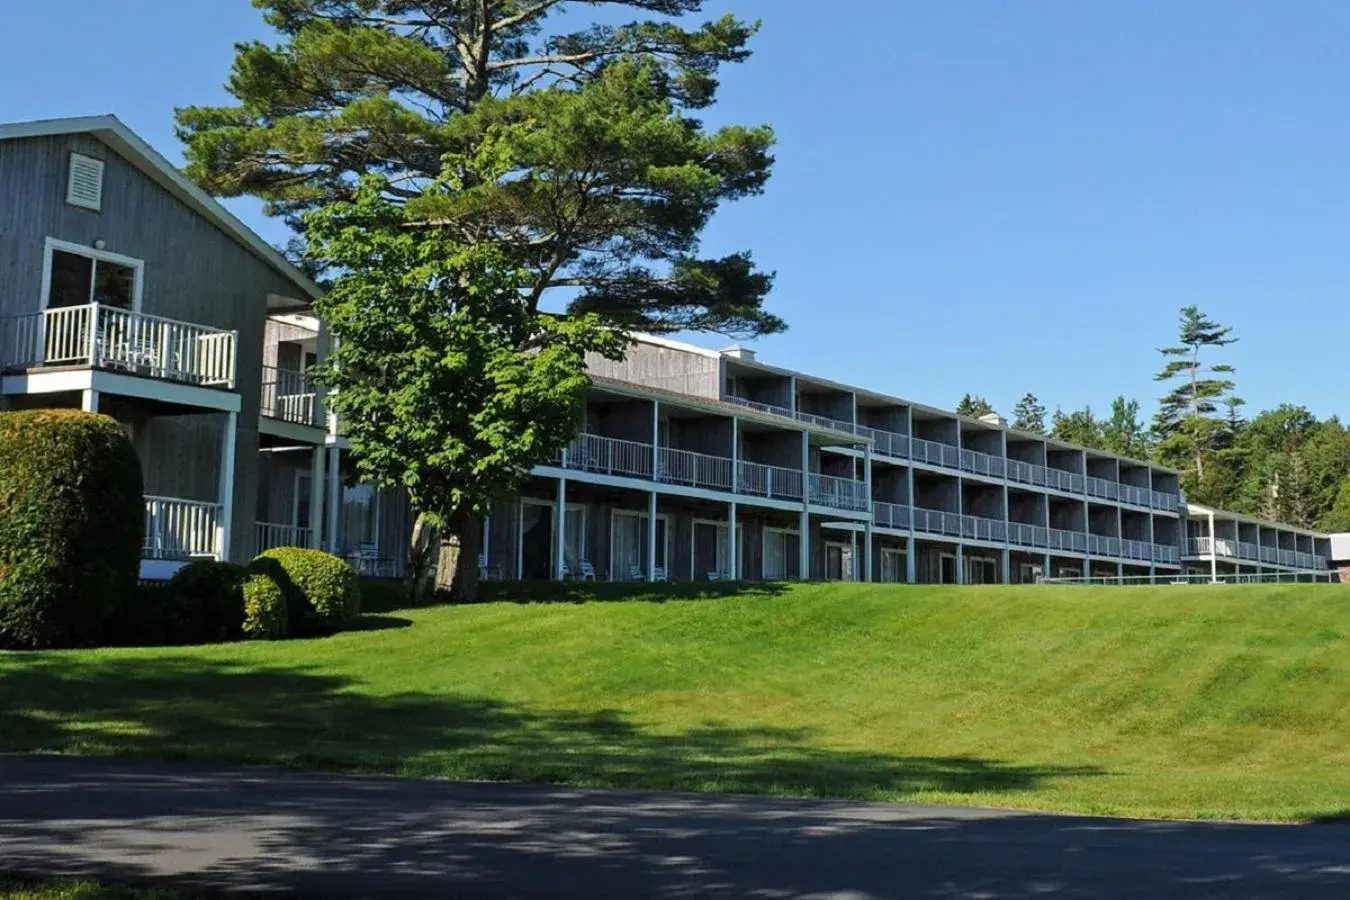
974 406
611 176
1189 425
1029 414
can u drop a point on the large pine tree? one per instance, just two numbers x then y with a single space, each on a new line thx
1191 424
605 176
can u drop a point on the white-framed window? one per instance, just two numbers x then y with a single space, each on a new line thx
75 275
84 185
777 547
838 561
980 570
574 536
628 544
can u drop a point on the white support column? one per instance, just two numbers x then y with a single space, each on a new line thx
960 564
651 536
733 557
912 551
871 515
853 554
735 454
520 542
1213 552
316 497
321 348
911 564
334 499
1007 566
89 401
804 539
560 531
656 440
225 491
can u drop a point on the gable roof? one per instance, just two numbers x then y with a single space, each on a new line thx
112 132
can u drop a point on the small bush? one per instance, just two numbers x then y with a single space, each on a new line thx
322 591
71 526
204 603
265 614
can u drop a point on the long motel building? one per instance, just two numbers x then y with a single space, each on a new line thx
695 464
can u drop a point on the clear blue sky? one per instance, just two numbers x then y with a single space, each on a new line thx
971 195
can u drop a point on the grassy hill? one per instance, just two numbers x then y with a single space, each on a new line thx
1170 701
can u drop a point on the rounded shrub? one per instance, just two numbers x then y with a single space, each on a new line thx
265 614
204 603
71 526
322 591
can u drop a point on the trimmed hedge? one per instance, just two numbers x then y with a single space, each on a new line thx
71 526
265 606
205 603
322 591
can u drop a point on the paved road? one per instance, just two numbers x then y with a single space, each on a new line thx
326 835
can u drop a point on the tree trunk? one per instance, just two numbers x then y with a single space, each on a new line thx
418 579
459 558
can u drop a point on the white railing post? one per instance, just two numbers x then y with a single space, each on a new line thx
91 353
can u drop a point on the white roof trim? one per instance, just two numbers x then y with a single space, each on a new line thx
117 136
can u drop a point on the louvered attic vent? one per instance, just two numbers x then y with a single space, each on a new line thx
85 188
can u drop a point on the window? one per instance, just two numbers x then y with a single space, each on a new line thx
629 545
778 545
79 275
360 516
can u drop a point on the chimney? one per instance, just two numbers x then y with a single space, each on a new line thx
994 419
736 351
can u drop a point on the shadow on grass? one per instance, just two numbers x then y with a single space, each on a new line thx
622 591
186 708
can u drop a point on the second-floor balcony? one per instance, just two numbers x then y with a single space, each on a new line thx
120 340
288 395
1245 550
668 465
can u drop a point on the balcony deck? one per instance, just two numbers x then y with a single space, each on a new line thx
93 336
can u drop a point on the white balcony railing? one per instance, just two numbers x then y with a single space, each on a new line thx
890 515
288 395
609 456
839 493
756 405
934 453
1166 554
1026 473
1073 541
267 535
977 528
179 529
1101 487
1140 550
1024 535
106 337
820 421
885 443
693 469
935 521
1103 545
981 463
1270 554
770 482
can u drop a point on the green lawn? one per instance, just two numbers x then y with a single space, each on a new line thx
1169 701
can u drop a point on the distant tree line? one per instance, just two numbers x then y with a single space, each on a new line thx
1282 464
